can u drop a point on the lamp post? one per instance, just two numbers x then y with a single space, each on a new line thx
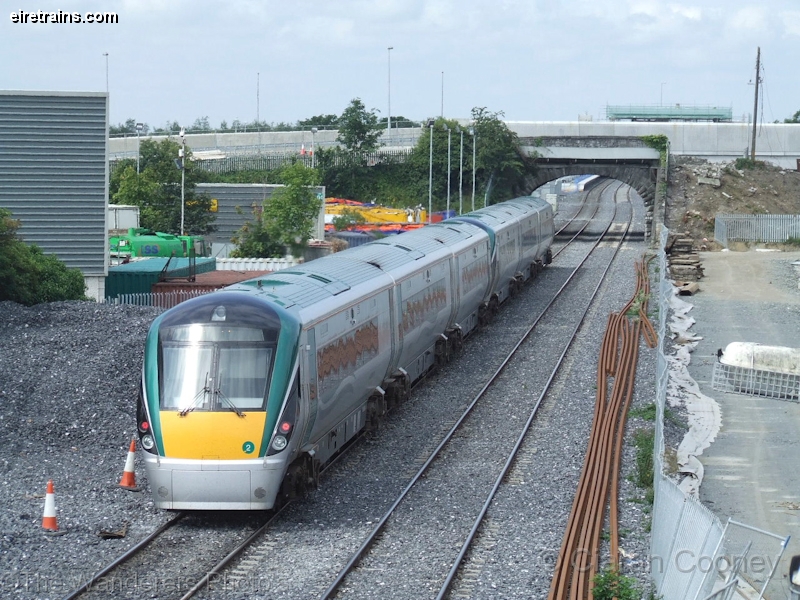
430 174
448 166
389 85
106 55
181 155
442 115
139 127
461 174
474 135
313 159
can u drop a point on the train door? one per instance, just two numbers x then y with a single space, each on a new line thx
308 378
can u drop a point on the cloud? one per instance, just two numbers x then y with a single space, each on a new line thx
791 22
749 19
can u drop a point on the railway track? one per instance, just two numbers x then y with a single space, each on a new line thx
390 544
260 547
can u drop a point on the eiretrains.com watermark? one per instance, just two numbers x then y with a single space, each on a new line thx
61 17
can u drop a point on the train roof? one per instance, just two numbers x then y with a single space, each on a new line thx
380 263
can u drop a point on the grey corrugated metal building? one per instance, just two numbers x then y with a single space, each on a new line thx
54 175
245 195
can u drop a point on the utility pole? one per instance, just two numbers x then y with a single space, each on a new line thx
755 104
389 86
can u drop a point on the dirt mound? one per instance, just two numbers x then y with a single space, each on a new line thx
699 190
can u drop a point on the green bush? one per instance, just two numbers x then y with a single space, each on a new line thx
748 163
28 275
610 584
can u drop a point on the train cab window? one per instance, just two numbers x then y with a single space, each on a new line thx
213 368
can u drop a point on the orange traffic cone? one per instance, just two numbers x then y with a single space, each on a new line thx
49 519
128 480
302 149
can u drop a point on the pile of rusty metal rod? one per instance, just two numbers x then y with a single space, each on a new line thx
578 560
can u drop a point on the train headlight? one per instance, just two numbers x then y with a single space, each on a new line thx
147 442
279 442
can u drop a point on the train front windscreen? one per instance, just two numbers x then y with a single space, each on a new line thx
214 367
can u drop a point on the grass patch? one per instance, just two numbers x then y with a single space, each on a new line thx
648 413
644 440
746 163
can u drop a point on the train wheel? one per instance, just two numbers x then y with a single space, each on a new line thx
301 477
494 305
376 410
442 352
456 340
483 315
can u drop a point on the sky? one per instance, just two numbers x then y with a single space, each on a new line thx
532 60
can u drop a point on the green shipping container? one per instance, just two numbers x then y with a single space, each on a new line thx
137 277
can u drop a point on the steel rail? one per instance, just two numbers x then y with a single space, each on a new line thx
521 438
217 569
599 190
246 543
131 552
587 221
372 536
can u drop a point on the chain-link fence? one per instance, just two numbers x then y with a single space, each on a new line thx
693 556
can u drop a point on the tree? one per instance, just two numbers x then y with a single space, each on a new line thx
500 161
795 118
285 220
348 218
156 189
253 240
327 121
129 127
200 125
28 275
290 212
359 128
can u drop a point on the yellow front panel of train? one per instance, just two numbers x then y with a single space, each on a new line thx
212 435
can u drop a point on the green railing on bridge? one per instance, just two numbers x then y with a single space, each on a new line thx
669 113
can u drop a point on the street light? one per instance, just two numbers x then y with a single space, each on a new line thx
106 55
430 174
139 127
461 174
389 116
447 129
313 160
181 154
663 83
474 135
